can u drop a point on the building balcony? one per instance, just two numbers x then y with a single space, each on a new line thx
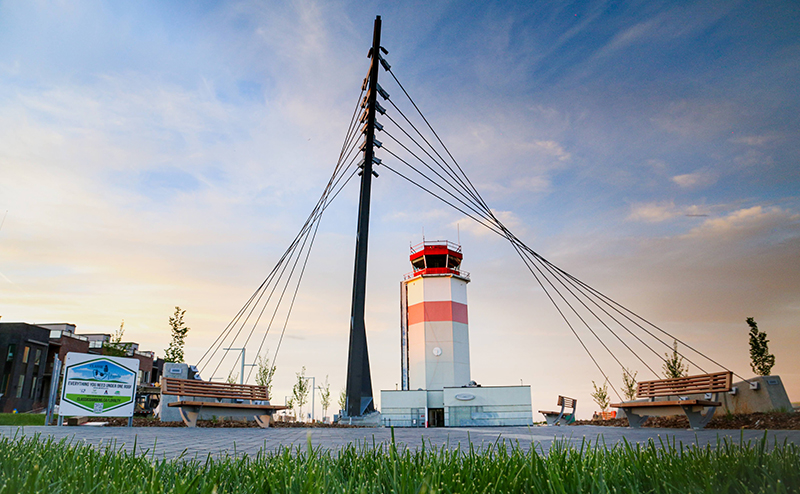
437 272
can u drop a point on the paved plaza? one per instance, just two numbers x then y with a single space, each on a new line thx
200 442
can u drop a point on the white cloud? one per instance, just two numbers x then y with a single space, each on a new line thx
531 184
665 27
552 148
754 140
746 221
636 33
507 218
528 165
696 118
653 212
657 212
753 158
700 178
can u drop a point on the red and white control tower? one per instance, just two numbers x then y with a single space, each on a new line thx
438 389
434 323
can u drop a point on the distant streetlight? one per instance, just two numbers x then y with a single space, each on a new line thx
241 377
313 387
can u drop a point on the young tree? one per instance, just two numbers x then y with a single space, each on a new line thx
342 400
325 396
264 374
600 396
629 384
290 404
761 361
232 378
174 352
300 390
114 347
673 365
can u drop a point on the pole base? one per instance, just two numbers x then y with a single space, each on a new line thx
372 419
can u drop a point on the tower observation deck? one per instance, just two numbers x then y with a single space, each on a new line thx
437 257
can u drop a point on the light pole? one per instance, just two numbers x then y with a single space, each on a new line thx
286 402
313 386
241 378
323 413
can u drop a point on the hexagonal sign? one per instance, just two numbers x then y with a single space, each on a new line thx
99 385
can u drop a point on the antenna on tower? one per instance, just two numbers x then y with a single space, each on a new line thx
423 234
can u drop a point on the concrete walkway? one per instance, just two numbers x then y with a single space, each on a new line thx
200 442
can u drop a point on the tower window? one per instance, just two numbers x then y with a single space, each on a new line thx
438 261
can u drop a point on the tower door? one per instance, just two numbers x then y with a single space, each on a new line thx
436 417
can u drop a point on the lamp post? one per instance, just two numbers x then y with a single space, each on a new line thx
241 377
313 387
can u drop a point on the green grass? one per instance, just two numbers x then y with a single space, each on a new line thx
28 465
22 419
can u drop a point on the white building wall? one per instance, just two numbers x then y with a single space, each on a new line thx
458 290
488 406
463 407
416 357
414 291
435 288
404 408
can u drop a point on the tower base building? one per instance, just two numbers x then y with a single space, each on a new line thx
437 388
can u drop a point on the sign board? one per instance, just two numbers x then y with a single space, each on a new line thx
97 385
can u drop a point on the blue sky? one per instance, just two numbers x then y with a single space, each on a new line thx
165 153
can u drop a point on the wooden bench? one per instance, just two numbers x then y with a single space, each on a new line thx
638 411
258 402
556 418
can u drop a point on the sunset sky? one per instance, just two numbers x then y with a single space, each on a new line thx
155 154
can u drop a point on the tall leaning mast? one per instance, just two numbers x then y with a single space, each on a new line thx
359 381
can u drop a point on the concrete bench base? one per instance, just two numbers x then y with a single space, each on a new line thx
556 418
190 411
637 412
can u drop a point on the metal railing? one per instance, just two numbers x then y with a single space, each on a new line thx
437 272
57 333
443 243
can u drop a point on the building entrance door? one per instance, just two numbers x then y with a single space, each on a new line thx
436 417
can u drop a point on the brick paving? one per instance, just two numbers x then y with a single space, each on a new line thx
200 442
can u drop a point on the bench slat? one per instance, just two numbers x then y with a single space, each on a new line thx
703 383
567 402
205 389
652 404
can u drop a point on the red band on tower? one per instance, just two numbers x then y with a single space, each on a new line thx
437 311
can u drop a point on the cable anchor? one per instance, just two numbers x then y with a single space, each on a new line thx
382 92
